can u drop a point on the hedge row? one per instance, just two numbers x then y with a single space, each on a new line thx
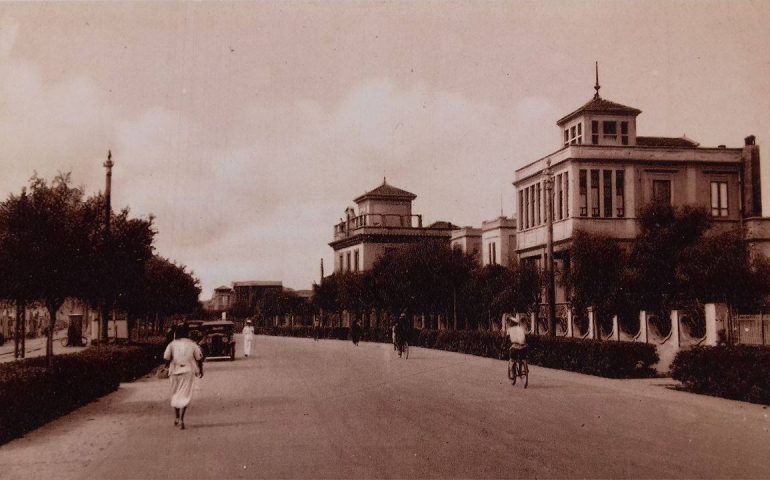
593 357
32 395
734 372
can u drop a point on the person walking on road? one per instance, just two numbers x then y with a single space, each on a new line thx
184 361
355 332
248 338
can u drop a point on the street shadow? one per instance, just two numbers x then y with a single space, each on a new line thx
194 426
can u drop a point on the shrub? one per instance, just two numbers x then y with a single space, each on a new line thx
31 394
737 372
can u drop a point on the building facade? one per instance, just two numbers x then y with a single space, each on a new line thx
604 173
384 221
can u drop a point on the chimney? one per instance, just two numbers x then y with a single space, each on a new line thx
752 192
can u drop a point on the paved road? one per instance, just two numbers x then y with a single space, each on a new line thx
304 409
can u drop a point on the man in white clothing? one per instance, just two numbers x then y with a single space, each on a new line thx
518 337
248 338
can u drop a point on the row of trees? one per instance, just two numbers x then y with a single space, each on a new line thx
55 244
431 279
680 260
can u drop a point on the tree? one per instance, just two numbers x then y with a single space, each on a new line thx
659 251
55 226
596 268
16 253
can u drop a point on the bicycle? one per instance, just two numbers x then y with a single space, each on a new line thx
517 369
65 342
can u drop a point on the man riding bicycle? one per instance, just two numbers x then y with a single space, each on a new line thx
401 332
518 336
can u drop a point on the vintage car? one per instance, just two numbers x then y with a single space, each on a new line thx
216 339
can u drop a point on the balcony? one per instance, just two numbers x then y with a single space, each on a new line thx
375 221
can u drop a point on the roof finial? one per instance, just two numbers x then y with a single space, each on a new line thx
384 180
597 86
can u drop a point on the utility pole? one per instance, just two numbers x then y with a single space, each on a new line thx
549 265
107 234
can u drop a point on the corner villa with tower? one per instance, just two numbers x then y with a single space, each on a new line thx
384 221
604 173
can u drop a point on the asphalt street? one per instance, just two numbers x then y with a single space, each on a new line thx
327 409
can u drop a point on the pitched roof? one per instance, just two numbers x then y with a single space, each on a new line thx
679 142
388 192
221 288
600 105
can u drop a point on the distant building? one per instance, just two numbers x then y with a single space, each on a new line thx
468 239
492 244
222 300
384 221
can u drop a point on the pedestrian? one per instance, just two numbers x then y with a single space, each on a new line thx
184 361
248 338
316 327
355 332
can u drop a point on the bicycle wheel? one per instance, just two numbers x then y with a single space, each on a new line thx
525 373
511 372
406 350
514 372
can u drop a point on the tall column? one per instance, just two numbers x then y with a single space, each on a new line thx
550 277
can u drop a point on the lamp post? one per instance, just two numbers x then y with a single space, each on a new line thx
549 264
107 240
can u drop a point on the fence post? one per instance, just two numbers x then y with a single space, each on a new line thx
570 327
591 326
533 324
643 335
674 317
615 328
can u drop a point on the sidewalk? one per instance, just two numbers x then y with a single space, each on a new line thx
35 347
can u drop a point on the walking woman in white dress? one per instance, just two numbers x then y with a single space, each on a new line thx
248 338
184 361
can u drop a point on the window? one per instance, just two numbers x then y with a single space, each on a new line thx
492 253
355 260
594 193
580 133
719 199
558 197
348 257
610 130
566 195
526 207
573 135
624 133
342 264
532 206
661 191
620 193
583 194
595 132
566 137
607 174
538 202
521 210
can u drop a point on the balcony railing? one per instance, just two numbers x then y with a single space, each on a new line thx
377 220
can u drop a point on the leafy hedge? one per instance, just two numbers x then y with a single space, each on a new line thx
593 357
32 395
737 372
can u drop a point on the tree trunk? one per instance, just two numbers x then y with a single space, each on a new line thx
17 330
52 309
23 330
104 322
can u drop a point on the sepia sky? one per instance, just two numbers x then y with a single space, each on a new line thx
247 128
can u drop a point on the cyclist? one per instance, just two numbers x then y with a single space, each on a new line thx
518 336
